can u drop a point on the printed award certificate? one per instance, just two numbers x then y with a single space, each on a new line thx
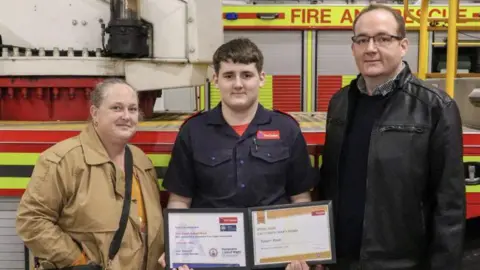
281 234
206 238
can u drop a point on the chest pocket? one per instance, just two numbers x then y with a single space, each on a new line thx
270 167
213 158
270 154
214 172
335 128
94 196
334 121
418 129
403 142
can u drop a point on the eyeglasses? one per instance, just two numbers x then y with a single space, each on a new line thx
381 40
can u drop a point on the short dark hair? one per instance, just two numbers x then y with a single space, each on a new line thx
239 50
401 30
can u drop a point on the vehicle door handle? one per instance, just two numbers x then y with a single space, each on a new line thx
472 173
267 16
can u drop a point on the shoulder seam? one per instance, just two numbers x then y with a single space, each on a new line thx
286 114
336 94
198 113
443 100
55 156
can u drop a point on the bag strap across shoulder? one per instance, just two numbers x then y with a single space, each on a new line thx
117 238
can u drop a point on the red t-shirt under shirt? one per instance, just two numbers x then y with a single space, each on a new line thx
240 129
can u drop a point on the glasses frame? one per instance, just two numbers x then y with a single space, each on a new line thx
399 38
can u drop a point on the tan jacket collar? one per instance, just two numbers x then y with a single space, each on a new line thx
93 148
95 153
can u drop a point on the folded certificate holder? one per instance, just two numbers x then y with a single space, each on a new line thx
253 238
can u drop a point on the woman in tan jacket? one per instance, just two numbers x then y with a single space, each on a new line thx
72 206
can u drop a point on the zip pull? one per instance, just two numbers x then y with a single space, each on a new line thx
255 143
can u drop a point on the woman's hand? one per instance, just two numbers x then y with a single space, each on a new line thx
184 267
162 262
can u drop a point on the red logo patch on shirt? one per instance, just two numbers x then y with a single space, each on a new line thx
268 135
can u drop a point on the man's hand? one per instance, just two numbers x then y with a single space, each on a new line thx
297 265
302 265
302 197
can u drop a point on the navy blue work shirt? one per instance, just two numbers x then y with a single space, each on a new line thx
217 168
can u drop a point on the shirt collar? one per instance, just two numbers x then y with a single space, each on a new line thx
262 116
382 89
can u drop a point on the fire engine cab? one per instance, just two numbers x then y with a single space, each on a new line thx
54 52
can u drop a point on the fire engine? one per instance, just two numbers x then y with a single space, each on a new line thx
54 52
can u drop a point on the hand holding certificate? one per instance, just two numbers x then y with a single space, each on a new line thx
259 237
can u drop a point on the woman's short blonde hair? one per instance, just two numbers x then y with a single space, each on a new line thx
98 94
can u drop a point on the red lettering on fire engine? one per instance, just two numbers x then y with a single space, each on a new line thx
442 13
438 13
409 19
347 16
295 14
434 12
310 15
326 15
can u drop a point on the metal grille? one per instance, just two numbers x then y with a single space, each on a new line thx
12 253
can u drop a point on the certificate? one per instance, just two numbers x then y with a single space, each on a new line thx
281 234
257 237
206 238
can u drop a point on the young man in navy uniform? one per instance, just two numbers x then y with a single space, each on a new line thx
239 154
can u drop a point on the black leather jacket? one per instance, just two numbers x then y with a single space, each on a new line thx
415 195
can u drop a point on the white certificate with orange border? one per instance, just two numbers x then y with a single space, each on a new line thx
281 234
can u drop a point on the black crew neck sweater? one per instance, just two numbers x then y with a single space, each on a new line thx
353 174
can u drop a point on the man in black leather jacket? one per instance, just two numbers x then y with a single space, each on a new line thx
392 162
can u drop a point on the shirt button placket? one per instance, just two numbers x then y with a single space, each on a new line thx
241 162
